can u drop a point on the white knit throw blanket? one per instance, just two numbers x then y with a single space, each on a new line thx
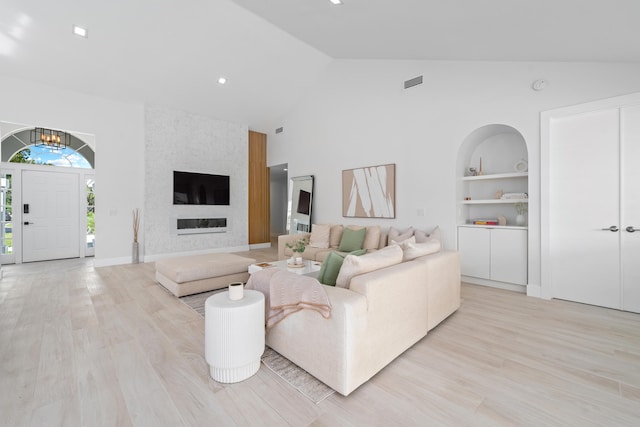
286 293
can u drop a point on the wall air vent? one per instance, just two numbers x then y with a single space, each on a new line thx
279 130
413 82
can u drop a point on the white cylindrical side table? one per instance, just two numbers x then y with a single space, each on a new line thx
234 335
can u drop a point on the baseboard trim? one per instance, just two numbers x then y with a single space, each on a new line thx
266 245
156 257
534 291
107 262
494 284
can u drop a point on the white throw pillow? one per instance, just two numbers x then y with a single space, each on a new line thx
404 243
424 237
398 236
414 250
356 265
319 236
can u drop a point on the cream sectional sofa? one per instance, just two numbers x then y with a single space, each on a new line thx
376 318
372 242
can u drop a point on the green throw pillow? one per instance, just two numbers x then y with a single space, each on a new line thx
352 239
331 266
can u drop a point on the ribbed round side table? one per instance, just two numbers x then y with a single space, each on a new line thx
234 335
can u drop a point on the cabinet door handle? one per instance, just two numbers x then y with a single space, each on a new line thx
613 228
630 229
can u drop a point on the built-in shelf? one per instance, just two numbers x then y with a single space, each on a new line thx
496 176
493 255
493 201
504 227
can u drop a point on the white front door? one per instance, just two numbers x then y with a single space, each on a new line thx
584 199
50 206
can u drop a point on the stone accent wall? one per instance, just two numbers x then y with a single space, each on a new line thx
176 140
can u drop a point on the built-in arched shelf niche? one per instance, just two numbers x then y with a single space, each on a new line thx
504 155
492 240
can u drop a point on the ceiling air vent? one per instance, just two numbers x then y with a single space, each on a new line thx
413 82
279 130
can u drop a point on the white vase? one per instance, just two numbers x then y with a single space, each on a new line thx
520 220
135 253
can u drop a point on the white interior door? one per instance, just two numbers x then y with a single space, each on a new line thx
50 214
584 199
630 238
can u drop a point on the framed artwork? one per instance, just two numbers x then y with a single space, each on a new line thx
369 192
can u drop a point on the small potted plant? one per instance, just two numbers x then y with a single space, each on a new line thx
522 209
298 246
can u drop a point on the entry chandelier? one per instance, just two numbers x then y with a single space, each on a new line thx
52 139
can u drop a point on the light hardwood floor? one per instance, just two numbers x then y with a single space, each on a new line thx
108 346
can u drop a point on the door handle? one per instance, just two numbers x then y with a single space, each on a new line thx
613 228
630 229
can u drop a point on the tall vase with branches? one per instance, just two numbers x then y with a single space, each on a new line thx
136 227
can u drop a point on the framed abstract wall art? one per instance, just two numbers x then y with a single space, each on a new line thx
369 192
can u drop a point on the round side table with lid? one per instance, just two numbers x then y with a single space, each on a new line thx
234 335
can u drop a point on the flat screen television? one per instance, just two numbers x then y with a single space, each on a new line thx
304 202
191 188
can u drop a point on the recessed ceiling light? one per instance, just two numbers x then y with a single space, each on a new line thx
222 80
79 31
336 2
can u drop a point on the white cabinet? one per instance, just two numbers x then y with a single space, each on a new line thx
474 245
497 254
509 256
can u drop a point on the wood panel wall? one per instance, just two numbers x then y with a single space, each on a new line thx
259 198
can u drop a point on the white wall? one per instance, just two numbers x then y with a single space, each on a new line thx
176 140
119 147
360 115
278 203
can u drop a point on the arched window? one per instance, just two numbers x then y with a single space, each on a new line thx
65 157
17 148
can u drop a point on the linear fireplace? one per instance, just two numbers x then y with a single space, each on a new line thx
201 225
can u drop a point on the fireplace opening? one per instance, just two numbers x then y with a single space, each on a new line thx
201 225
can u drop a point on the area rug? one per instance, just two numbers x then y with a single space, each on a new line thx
296 377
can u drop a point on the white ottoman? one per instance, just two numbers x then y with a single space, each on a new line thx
234 335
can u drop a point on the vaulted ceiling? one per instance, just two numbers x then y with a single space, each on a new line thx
495 30
172 53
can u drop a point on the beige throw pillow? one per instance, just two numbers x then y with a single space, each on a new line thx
356 265
372 238
335 235
424 237
399 236
319 236
403 244
414 250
